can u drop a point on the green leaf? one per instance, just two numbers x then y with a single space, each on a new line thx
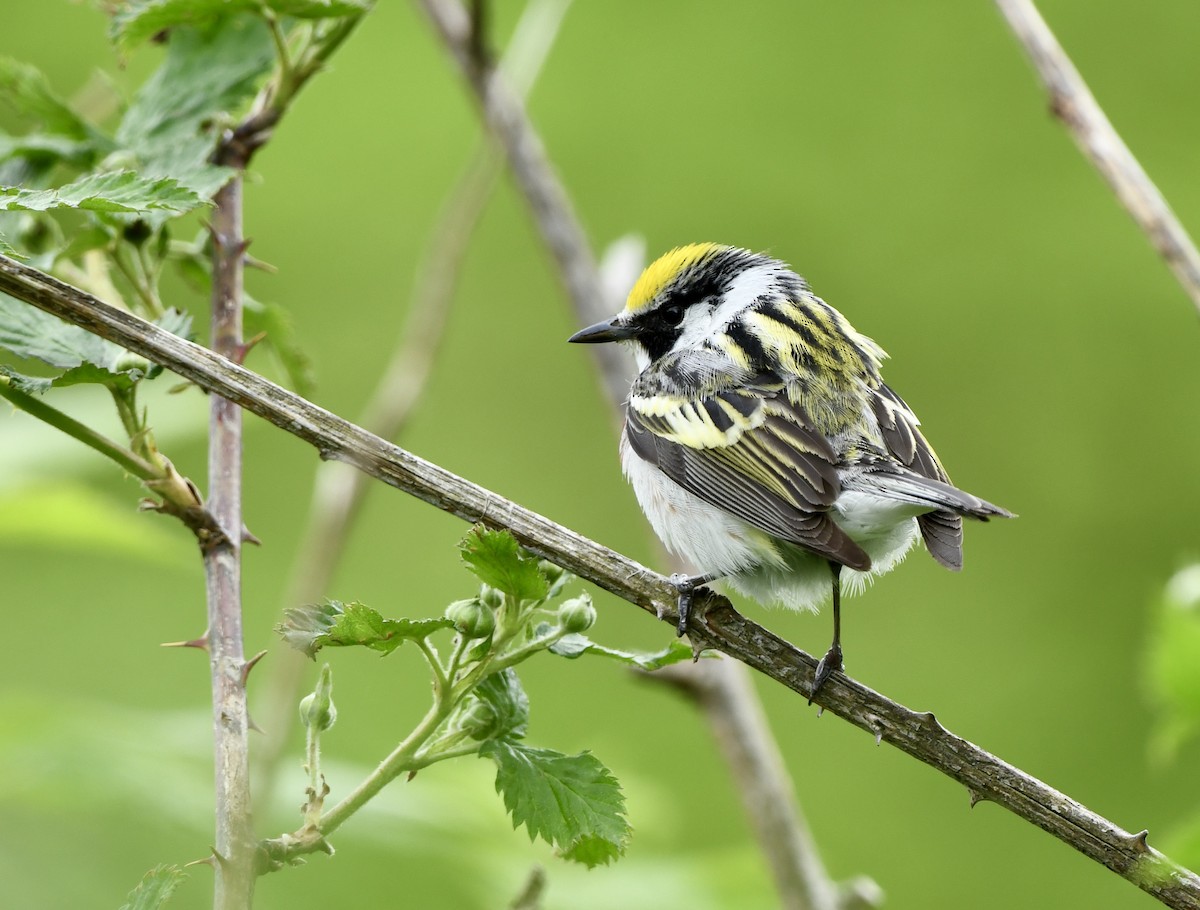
29 332
46 147
7 250
497 560
319 9
27 91
504 694
572 646
208 76
141 19
119 191
155 889
1173 665
570 801
275 322
334 624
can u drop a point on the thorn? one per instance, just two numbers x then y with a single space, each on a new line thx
255 263
207 861
251 725
220 860
411 775
697 650
239 352
201 643
976 797
250 665
249 537
149 505
878 737
820 710
1138 842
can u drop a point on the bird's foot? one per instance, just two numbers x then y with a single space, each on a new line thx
686 585
828 665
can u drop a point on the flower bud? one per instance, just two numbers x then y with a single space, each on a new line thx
477 719
128 361
577 615
471 618
317 711
490 597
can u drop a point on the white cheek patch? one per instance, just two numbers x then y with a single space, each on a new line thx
705 321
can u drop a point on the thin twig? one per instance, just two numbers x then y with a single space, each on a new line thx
339 490
716 626
801 879
504 113
722 689
222 571
1076 107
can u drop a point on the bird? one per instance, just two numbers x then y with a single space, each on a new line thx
763 444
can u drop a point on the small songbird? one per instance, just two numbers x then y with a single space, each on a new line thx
762 442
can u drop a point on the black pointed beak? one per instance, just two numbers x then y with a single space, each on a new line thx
609 330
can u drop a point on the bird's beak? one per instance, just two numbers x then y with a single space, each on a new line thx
609 330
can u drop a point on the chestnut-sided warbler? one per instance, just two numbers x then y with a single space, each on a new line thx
762 442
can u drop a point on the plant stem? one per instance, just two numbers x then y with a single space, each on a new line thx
35 407
222 568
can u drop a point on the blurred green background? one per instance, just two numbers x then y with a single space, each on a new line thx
901 157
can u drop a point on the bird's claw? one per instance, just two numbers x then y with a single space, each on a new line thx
686 586
828 665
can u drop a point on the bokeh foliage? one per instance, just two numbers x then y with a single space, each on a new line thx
901 157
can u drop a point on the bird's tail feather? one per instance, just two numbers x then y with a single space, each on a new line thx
910 487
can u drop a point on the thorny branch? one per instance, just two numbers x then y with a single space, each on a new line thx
1076 107
717 626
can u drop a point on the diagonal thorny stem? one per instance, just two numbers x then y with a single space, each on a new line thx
719 626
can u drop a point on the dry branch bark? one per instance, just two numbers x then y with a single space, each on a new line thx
717 626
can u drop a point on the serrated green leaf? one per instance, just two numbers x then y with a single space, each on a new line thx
29 332
118 191
319 9
504 694
1173 665
335 624
142 19
138 20
26 90
576 645
153 891
497 560
206 80
570 801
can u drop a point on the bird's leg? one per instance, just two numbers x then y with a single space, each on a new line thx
686 585
832 661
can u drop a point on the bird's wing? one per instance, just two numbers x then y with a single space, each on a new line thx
941 530
745 448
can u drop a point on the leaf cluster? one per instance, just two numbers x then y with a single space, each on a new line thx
572 802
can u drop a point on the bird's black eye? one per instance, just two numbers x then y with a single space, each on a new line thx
672 315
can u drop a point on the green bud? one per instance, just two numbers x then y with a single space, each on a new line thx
128 361
471 618
578 614
137 232
477 719
490 597
317 710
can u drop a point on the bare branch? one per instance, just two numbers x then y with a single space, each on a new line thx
504 113
718 626
1076 107
723 691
